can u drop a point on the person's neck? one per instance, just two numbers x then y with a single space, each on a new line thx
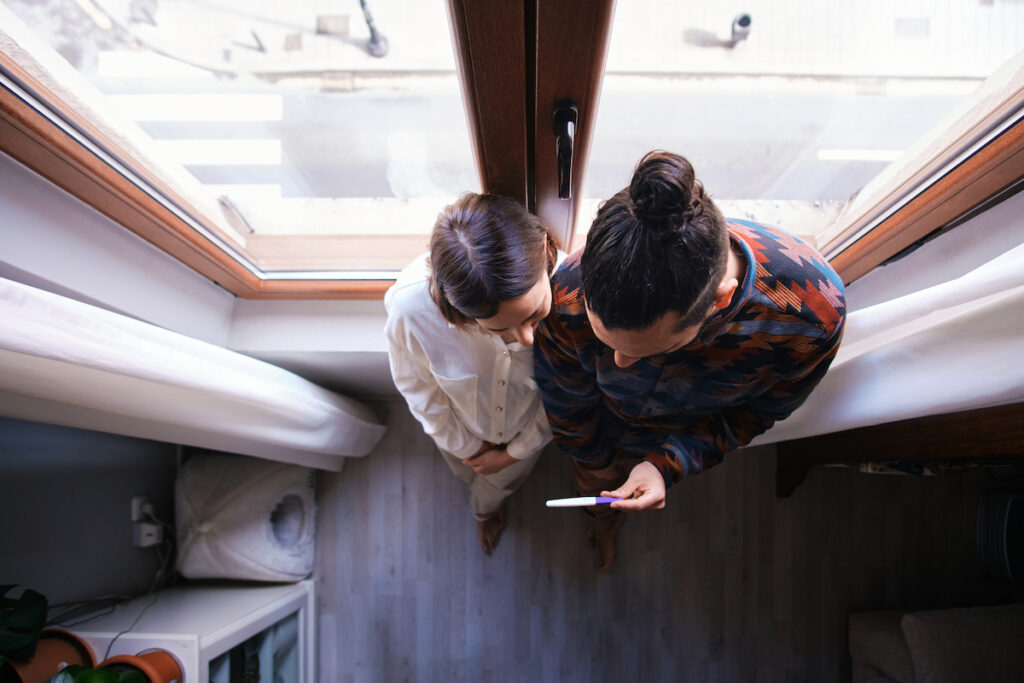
735 265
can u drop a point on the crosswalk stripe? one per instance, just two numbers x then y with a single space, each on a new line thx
258 152
145 65
200 107
247 190
859 154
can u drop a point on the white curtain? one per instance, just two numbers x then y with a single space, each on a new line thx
65 362
955 346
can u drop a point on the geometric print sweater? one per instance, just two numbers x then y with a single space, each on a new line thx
753 363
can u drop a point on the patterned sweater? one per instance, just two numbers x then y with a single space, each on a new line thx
754 363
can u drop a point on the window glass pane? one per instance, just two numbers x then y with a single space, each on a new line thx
789 100
309 118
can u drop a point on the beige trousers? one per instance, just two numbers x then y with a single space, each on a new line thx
488 491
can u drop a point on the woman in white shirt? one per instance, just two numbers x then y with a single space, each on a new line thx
460 329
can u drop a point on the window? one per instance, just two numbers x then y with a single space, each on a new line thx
277 231
286 135
789 109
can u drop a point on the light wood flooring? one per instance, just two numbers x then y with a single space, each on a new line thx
727 583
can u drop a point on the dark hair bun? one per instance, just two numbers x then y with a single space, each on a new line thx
664 189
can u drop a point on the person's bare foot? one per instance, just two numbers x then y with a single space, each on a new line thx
488 531
601 533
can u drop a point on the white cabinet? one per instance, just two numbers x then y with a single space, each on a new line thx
215 628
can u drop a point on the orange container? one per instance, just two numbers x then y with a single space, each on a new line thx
56 650
159 666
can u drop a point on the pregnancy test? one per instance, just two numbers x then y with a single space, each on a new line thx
580 502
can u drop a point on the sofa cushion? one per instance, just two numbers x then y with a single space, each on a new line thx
877 643
967 644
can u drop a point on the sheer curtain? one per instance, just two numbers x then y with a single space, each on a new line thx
954 346
69 363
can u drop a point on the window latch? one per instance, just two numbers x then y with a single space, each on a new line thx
565 117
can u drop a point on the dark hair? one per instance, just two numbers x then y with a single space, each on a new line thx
485 250
659 245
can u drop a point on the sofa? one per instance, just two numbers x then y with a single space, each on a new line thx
961 645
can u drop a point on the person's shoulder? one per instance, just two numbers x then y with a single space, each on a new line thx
410 285
408 298
568 265
790 270
413 314
408 302
566 285
782 251
560 258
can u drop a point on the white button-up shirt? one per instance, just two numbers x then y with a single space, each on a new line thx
464 384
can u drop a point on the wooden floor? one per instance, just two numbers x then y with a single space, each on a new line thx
726 584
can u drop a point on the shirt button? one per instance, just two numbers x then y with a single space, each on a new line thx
499 434
501 382
498 409
505 353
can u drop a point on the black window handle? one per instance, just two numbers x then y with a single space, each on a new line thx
565 117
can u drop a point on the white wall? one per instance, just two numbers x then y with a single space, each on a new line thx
337 344
65 504
55 242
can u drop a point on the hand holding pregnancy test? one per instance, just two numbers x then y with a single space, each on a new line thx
643 490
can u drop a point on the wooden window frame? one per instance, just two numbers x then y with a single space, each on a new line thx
973 157
515 59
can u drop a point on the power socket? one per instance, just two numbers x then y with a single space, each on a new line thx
140 508
145 534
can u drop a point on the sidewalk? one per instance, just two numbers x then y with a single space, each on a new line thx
826 38
845 38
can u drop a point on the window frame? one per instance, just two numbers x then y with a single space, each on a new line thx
514 59
969 160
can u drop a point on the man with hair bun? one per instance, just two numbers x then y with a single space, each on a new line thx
676 336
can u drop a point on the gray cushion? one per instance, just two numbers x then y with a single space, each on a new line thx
967 645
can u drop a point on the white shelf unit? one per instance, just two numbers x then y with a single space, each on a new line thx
202 624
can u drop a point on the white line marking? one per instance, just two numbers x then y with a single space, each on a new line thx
859 154
223 152
200 107
146 65
247 191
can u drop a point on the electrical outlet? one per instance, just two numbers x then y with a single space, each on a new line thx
145 534
140 505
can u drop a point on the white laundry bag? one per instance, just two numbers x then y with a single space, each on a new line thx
244 518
